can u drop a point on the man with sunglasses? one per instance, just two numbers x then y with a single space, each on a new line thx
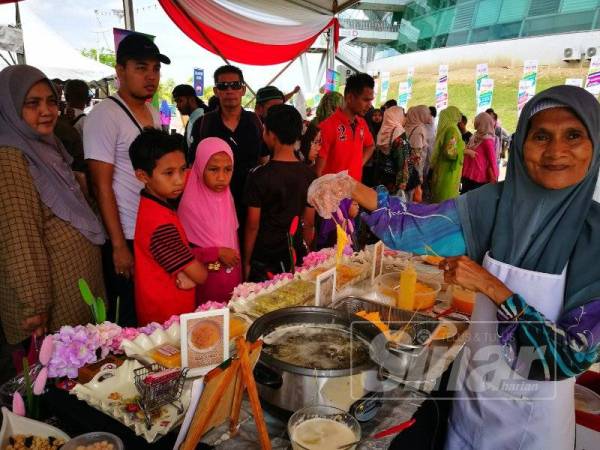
241 129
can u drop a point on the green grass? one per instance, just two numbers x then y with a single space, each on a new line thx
461 88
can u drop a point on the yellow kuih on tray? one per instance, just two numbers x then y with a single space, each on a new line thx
345 273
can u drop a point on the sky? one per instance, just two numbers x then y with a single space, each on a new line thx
77 23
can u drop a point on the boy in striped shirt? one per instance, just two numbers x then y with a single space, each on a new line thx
165 272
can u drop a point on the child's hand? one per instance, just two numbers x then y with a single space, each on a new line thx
229 256
184 282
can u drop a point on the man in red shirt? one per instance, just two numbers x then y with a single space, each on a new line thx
346 142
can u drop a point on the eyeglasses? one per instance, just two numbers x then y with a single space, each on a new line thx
225 85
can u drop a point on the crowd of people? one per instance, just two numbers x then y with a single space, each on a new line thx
145 216
109 197
159 223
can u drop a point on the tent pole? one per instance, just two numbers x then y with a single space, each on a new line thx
305 72
274 78
320 71
331 48
20 56
5 60
128 14
199 30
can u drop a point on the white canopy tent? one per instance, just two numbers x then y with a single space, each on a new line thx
49 52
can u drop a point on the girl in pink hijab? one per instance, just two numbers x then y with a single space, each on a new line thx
207 213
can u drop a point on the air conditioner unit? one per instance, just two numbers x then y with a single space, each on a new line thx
591 52
571 54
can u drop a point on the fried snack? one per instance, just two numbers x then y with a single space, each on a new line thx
23 442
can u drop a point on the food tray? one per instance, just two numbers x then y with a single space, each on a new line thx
420 327
296 292
110 391
143 343
355 272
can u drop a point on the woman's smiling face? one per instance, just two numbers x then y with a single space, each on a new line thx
40 108
558 149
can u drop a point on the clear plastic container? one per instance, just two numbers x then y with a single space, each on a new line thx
322 427
463 300
90 439
387 286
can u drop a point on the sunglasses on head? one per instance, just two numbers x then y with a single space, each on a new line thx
235 85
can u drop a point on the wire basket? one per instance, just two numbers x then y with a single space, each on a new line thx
418 326
156 395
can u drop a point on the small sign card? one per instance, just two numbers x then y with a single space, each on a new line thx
377 262
204 340
325 292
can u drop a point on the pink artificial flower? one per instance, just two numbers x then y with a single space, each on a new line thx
18 405
129 333
173 319
40 381
46 350
210 305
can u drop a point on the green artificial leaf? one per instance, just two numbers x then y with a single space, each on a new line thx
100 311
28 386
86 293
94 312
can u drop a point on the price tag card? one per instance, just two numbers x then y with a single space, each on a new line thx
377 262
325 292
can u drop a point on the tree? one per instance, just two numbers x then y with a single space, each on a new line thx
103 55
165 89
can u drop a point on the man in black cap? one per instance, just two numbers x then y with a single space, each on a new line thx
189 105
269 96
109 130
265 98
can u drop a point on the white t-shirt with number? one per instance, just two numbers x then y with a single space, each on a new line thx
108 132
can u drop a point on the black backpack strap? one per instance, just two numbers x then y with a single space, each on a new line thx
124 108
200 130
76 119
257 123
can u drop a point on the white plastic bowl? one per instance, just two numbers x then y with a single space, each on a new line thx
93 438
13 425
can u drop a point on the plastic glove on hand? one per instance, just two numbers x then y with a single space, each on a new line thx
327 192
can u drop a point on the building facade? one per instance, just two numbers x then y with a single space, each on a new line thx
431 24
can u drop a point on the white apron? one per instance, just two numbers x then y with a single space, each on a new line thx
494 407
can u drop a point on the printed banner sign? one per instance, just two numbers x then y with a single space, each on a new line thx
385 86
530 71
441 88
481 72
574 82
592 83
486 95
409 79
332 82
199 82
523 94
403 94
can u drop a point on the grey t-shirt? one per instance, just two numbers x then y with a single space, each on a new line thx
108 132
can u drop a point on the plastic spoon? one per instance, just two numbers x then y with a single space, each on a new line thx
393 430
